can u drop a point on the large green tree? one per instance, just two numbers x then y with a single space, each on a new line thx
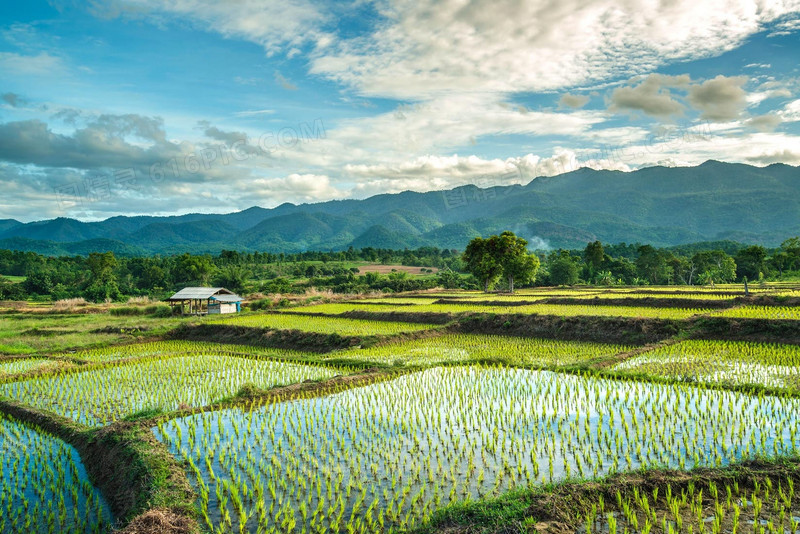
482 262
563 270
714 265
516 263
102 282
750 262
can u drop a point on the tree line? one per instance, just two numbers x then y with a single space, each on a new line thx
501 262
624 264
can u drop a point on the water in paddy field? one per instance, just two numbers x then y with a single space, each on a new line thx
389 454
45 487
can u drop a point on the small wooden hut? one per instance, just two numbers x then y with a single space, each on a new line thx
203 300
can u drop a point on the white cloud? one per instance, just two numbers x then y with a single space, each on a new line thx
430 173
41 64
429 47
786 27
277 26
791 112
254 112
295 188
440 125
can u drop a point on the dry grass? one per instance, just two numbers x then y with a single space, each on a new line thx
161 521
70 304
141 301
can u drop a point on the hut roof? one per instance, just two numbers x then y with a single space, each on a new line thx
218 293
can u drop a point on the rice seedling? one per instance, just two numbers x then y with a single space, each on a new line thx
450 348
177 347
465 306
675 295
383 457
23 365
323 325
568 310
100 396
731 362
762 507
335 308
398 300
44 486
764 312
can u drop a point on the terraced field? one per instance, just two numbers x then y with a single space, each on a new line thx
389 454
103 395
730 362
454 348
322 325
44 484
306 420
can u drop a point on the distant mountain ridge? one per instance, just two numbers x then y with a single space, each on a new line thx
663 206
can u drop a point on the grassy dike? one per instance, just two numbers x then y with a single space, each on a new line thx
561 508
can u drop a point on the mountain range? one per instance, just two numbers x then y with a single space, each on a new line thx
662 206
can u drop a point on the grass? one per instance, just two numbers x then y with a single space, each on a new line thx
41 333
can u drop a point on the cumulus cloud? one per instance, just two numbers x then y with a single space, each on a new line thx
791 111
221 135
573 101
295 187
652 96
100 144
721 98
764 123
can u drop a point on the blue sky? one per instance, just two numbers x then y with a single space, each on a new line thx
145 107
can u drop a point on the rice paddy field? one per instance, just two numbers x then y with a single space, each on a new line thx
322 325
177 348
455 348
100 396
764 312
23 365
581 309
307 420
385 456
732 362
44 485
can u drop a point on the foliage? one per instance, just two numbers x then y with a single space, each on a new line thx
563 270
504 255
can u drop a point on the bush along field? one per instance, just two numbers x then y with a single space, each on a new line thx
592 410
